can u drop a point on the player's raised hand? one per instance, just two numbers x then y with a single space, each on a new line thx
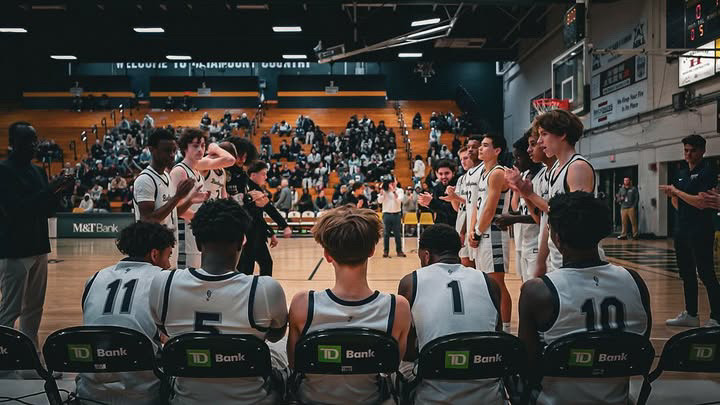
185 187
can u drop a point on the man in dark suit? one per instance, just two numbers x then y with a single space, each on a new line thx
256 249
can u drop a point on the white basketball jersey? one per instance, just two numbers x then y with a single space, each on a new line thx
329 312
601 297
215 182
151 185
530 232
493 250
118 296
189 254
184 301
518 228
462 212
472 178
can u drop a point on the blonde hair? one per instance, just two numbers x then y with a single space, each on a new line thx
348 234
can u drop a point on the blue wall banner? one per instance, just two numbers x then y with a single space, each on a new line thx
92 225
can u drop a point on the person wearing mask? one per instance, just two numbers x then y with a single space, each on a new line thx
27 201
442 209
391 198
628 198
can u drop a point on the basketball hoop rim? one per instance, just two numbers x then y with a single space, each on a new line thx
543 105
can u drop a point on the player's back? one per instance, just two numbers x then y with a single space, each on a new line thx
330 312
452 298
118 296
185 301
599 296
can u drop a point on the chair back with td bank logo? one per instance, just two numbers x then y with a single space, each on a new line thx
693 351
599 355
472 356
204 355
17 352
99 349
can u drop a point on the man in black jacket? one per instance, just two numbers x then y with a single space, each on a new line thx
256 249
27 200
438 202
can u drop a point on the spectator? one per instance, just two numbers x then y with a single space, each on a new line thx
295 149
243 121
86 204
284 151
266 142
436 202
418 169
417 121
284 129
391 198
410 202
227 117
356 196
284 202
338 198
628 198
97 151
148 124
456 145
117 188
305 203
96 191
186 103
321 202
103 205
205 121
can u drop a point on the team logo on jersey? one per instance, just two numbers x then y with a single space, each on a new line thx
329 354
208 293
581 358
457 359
198 358
702 352
81 353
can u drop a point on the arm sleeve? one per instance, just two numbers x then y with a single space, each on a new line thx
270 306
14 203
144 189
272 211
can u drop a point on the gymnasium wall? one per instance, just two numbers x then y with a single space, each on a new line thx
224 91
353 91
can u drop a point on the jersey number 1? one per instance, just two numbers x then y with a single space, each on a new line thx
456 296
127 297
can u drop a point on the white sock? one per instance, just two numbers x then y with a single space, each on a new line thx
506 327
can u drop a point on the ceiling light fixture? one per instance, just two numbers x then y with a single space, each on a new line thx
14 30
178 57
148 30
63 57
292 28
294 56
429 31
429 21
410 55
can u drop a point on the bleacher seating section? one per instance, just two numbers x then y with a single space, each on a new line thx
353 91
53 92
225 92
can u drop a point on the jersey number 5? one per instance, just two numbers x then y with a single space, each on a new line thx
201 318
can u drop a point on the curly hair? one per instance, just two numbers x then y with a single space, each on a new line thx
188 135
441 239
348 234
244 148
220 221
579 219
140 238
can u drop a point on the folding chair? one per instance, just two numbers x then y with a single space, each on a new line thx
426 218
692 351
308 218
326 352
100 349
294 219
410 218
17 353
599 355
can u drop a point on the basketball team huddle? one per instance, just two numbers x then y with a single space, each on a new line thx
459 286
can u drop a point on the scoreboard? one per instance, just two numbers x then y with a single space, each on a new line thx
702 22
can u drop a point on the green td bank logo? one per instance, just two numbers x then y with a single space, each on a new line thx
581 358
198 358
81 353
702 352
457 359
329 354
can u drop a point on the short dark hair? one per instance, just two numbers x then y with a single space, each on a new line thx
561 122
445 163
160 134
478 138
356 186
138 239
441 239
188 135
523 143
244 148
256 166
16 128
498 141
220 221
695 140
579 219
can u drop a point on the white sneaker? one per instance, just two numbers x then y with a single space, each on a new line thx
712 323
684 319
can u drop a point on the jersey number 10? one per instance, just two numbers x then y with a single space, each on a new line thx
588 308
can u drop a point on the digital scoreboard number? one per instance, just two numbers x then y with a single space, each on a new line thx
702 22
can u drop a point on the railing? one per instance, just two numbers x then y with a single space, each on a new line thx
257 119
404 131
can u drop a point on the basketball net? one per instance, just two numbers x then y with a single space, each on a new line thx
544 105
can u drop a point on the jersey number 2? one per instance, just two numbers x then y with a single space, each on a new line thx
127 297
588 308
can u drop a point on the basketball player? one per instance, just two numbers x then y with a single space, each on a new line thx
454 196
237 181
118 295
468 197
586 294
192 146
348 236
155 198
558 132
216 179
445 298
526 229
492 200
217 299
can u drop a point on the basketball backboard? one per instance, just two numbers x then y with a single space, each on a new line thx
568 77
